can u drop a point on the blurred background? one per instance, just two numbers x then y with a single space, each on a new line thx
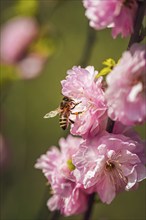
40 41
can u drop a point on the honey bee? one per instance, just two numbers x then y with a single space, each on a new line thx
64 110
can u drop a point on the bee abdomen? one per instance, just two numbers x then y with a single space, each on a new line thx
63 123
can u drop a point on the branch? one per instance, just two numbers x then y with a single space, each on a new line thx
90 207
55 215
142 34
90 41
138 23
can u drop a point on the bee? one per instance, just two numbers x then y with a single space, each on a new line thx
64 110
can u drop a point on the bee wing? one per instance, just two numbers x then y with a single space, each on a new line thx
52 113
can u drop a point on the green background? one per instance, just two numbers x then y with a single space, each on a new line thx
23 189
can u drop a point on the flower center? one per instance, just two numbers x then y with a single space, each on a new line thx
128 3
116 175
109 166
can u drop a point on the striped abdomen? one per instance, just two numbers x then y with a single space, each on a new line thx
63 121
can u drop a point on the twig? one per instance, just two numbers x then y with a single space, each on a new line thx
138 22
90 207
142 34
55 215
90 41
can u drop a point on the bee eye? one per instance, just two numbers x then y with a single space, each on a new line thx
65 99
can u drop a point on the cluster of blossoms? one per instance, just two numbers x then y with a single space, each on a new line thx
116 14
98 161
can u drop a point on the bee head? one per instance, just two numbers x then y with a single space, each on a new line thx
65 98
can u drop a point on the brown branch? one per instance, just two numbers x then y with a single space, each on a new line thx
138 23
87 50
90 207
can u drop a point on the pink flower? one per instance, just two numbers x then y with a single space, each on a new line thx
31 66
110 163
68 196
118 14
75 202
86 90
124 22
16 36
126 90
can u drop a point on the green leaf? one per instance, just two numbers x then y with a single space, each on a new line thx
104 71
110 64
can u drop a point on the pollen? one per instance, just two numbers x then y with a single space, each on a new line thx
70 165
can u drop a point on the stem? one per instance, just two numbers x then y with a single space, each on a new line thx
110 125
90 207
142 34
138 22
90 41
55 215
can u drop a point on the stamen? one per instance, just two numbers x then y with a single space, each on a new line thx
113 169
109 166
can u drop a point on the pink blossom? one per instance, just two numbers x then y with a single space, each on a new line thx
86 90
75 202
68 195
126 90
56 161
16 35
118 14
31 66
110 163
124 22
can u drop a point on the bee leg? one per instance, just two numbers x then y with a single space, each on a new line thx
71 121
76 113
75 105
